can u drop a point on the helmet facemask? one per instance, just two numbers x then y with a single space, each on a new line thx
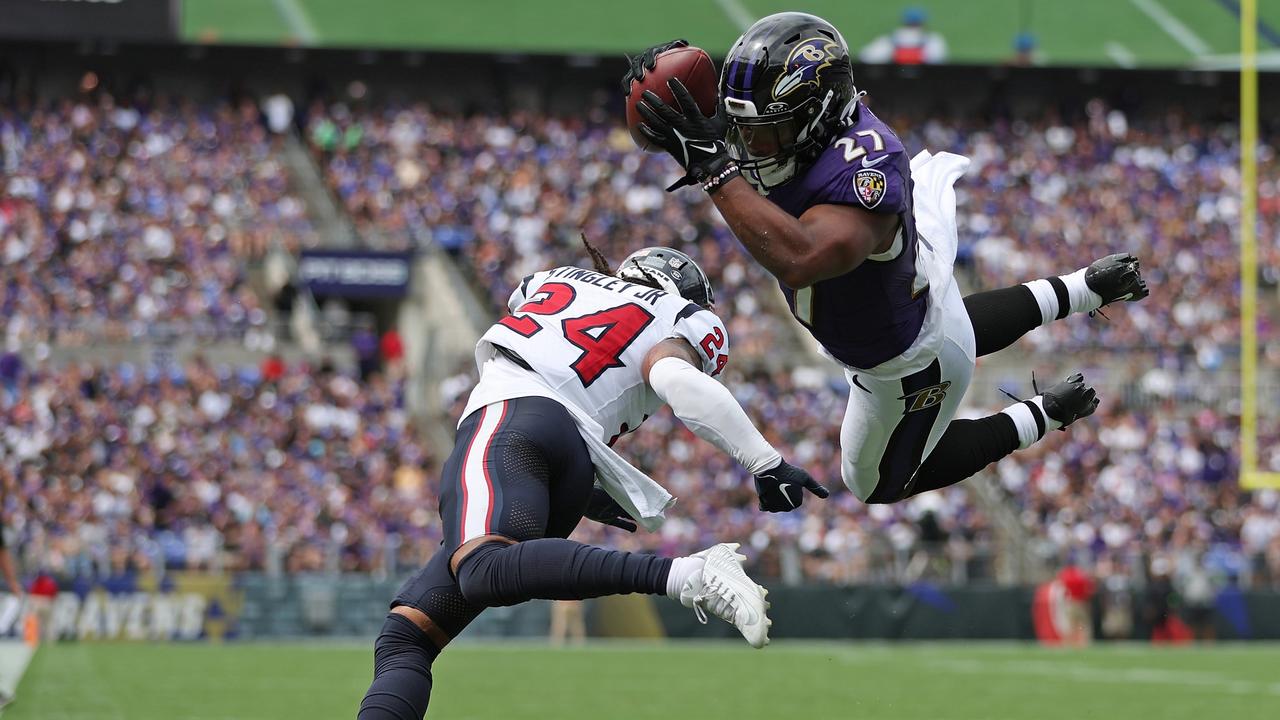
771 149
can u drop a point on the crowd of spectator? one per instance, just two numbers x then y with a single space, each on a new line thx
127 220
1138 485
1043 196
1046 196
286 467
512 195
139 215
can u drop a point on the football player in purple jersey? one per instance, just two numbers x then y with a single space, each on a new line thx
862 239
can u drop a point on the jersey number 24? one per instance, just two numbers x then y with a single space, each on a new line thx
602 336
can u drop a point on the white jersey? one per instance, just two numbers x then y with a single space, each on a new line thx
583 336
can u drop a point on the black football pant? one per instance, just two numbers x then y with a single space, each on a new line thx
999 318
520 470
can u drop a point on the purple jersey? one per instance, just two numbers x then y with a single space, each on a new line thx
874 312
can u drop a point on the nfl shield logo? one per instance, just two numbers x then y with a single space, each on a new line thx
870 184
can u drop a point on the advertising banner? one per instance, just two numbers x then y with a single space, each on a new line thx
185 606
355 274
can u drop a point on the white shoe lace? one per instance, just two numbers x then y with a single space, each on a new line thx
714 597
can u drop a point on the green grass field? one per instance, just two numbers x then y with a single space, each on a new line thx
1089 32
662 681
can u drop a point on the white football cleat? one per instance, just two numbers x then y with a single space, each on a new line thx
724 589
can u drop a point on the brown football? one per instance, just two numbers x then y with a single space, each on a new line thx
693 67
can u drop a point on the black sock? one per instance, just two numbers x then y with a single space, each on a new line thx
1002 316
966 447
494 574
401 687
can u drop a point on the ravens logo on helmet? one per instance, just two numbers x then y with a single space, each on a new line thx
788 89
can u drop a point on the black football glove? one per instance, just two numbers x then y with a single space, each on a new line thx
693 139
781 489
605 510
644 62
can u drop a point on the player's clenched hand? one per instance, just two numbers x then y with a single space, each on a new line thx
693 139
605 510
781 489
645 61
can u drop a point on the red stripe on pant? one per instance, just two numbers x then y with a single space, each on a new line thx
488 516
475 467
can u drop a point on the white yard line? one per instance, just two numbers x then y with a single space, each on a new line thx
1185 36
1269 60
14 659
737 12
1087 673
1122 55
299 22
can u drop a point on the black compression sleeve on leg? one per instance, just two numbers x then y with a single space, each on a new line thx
434 591
1002 316
966 447
401 687
494 574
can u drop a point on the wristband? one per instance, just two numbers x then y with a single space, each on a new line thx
713 183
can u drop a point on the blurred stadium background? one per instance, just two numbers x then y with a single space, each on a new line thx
248 245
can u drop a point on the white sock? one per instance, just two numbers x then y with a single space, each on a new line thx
682 568
1062 295
1031 421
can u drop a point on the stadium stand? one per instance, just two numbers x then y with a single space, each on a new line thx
1045 194
136 219
197 457
197 466
510 196
246 248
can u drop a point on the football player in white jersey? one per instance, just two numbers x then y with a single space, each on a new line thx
584 357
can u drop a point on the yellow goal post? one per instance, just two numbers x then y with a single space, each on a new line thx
1251 476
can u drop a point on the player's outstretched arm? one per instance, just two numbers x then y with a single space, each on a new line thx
825 242
709 410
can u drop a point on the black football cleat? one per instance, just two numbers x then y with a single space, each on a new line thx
1116 278
1070 400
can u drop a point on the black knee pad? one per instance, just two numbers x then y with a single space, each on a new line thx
434 591
476 578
